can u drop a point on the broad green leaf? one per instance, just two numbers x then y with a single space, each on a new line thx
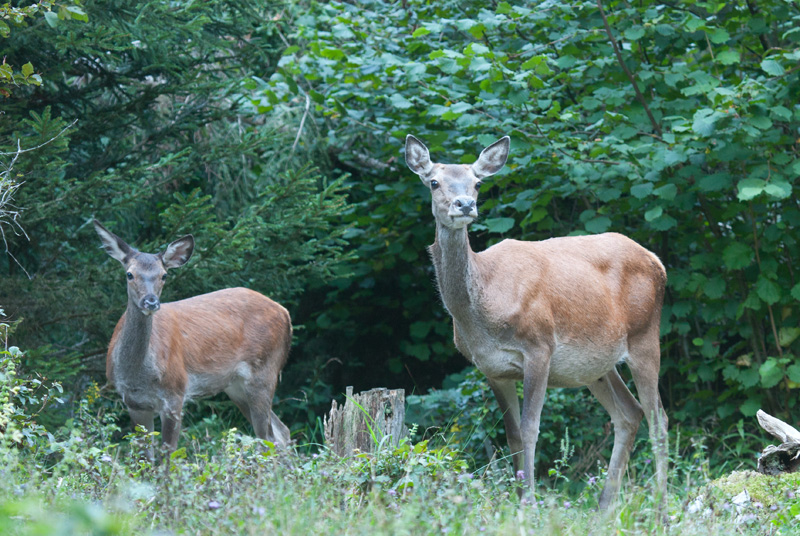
653 213
419 330
778 189
749 377
419 32
399 101
704 121
760 122
750 188
768 290
27 69
771 373
634 33
737 256
793 372
499 225
714 288
787 335
534 62
640 191
51 18
781 112
728 57
750 407
715 182
598 224
504 8
718 35
666 192
332 53
773 68
796 292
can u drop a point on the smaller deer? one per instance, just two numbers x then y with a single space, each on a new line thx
163 354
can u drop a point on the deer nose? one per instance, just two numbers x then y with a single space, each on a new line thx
464 204
151 302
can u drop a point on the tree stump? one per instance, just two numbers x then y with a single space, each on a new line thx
785 458
366 421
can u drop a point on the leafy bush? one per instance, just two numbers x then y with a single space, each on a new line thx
673 124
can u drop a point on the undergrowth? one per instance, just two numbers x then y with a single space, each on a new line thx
88 478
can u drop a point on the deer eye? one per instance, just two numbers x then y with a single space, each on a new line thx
130 276
434 185
478 185
164 277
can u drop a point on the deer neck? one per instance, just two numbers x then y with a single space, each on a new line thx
133 358
456 272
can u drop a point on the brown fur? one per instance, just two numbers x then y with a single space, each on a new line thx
561 312
160 355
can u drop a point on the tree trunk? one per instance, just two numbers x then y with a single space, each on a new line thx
366 421
785 458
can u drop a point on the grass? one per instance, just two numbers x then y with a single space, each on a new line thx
85 478
232 484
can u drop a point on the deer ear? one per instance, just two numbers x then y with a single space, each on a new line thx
178 252
114 245
492 159
417 157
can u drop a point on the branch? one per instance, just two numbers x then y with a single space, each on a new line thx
20 151
617 52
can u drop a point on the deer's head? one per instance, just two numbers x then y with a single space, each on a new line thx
145 272
454 187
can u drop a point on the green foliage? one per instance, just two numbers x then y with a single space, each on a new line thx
697 161
19 16
166 143
234 483
22 400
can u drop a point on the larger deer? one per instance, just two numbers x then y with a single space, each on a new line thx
163 354
561 312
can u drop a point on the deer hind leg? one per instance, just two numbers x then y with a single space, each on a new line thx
644 362
255 401
626 414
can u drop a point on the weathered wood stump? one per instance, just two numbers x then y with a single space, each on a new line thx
785 458
366 421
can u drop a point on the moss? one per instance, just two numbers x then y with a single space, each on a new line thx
765 489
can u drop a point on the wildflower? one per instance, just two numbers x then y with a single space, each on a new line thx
214 505
391 492
758 504
773 507
105 458
647 461
567 504
520 475
592 480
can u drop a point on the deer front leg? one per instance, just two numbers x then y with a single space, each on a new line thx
144 418
537 368
171 424
505 391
